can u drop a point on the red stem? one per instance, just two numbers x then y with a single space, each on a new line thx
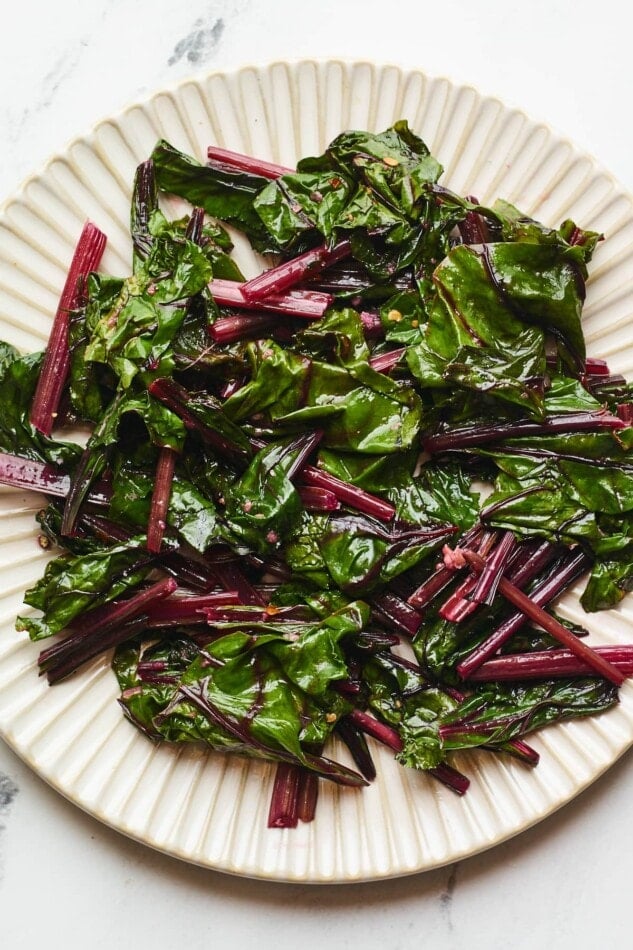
435 584
160 498
318 499
56 362
187 610
549 664
242 326
284 802
488 582
309 304
98 630
544 592
231 578
349 494
461 603
386 361
375 729
580 649
307 795
372 324
292 272
247 164
36 476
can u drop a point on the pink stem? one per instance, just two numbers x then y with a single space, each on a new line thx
160 498
435 584
289 273
597 662
544 592
386 361
308 304
186 610
284 811
247 164
307 795
546 664
241 326
56 362
318 499
349 494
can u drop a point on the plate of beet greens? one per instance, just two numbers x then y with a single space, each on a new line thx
316 448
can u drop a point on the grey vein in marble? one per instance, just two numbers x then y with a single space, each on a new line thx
446 897
54 79
8 791
199 43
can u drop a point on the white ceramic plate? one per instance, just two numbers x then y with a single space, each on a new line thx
208 809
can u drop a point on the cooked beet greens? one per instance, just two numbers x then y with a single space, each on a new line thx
279 519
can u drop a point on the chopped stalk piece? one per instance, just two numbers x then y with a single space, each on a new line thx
231 578
372 324
284 802
443 576
318 499
238 613
387 361
451 777
242 326
160 499
377 730
596 367
600 665
521 750
280 278
18 472
187 610
461 602
349 494
549 664
307 795
397 613
625 412
531 558
56 362
309 304
99 630
543 594
355 741
484 592
245 163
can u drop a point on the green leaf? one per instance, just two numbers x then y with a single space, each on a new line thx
263 506
18 380
73 584
496 714
190 513
223 194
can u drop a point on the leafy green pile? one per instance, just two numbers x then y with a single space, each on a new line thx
260 444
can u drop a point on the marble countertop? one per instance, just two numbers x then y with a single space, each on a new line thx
65 879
